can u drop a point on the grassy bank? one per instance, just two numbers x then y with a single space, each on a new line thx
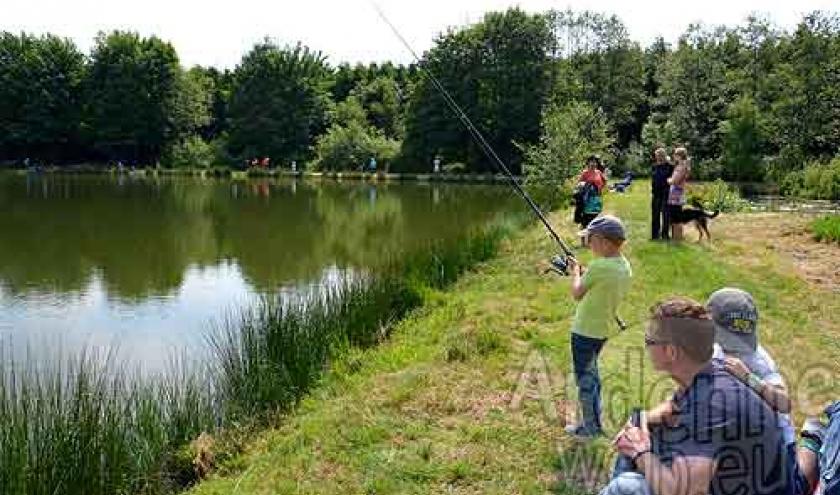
470 393
827 228
89 425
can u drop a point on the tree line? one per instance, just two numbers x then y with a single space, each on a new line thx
752 102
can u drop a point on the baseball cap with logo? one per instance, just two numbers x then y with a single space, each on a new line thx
736 320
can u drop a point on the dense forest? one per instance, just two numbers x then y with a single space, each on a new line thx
752 102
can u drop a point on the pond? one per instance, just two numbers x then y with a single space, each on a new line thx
148 265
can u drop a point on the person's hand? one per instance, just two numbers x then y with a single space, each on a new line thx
574 266
665 414
737 368
632 440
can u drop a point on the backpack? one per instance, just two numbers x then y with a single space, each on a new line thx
829 459
592 203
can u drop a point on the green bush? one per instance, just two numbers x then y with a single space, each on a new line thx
717 195
706 170
827 228
192 152
350 147
816 181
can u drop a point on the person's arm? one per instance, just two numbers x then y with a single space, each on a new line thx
579 287
689 475
772 389
678 177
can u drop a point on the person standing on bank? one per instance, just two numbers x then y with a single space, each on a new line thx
662 170
677 192
588 202
599 291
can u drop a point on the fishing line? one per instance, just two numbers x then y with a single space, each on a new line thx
559 264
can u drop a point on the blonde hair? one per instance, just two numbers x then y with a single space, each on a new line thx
661 152
682 155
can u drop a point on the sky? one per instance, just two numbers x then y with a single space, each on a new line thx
217 33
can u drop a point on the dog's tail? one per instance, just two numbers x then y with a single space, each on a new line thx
712 215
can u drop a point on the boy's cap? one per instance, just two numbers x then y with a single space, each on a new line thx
607 226
736 320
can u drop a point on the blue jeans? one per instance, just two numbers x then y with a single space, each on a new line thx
585 352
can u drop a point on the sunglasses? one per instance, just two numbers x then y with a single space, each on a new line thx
651 342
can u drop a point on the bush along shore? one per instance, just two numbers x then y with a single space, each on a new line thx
89 425
827 228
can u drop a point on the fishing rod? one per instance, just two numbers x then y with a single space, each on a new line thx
560 263
480 139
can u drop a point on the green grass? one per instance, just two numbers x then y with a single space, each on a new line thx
89 426
470 393
827 228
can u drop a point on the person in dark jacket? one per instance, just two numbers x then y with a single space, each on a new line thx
662 170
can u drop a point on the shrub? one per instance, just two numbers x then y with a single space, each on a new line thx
350 146
816 181
717 195
192 152
827 228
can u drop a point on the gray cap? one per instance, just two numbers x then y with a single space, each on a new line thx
607 226
736 320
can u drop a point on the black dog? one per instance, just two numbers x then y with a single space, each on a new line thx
698 215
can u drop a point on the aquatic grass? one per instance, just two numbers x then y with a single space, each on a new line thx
827 228
270 355
87 425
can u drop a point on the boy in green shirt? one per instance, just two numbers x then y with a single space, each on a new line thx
599 289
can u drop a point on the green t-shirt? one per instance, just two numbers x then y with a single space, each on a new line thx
606 281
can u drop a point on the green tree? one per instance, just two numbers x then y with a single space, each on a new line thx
383 104
279 102
807 115
694 89
570 134
742 142
497 71
597 62
138 97
351 141
40 97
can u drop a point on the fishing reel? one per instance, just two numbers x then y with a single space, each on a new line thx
559 264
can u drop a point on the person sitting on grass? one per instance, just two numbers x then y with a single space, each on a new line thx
736 346
599 290
714 436
736 334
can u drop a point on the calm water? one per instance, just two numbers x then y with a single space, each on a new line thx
147 265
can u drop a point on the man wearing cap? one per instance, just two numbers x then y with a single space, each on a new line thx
599 291
735 315
714 436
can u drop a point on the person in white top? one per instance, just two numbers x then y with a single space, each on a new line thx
736 344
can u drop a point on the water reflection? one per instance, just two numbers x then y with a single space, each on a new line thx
149 262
